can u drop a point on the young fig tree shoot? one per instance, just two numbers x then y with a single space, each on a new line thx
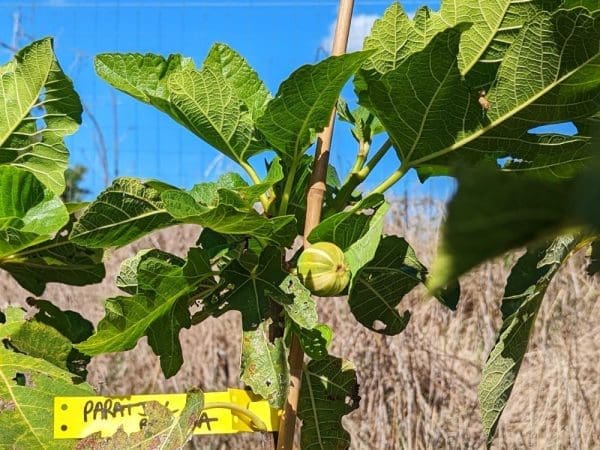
456 92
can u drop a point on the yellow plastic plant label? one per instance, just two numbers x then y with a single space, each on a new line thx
78 417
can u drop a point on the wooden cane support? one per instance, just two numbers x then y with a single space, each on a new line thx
314 203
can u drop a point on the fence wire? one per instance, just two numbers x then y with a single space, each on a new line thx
122 137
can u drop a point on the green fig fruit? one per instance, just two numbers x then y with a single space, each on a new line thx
322 268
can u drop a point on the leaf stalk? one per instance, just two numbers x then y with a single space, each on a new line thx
264 200
287 190
356 178
363 151
391 180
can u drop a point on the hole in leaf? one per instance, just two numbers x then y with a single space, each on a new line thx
6 406
268 383
63 428
567 128
20 379
367 211
64 406
378 325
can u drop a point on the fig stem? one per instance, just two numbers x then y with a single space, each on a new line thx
356 178
264 200
392 179
287 190
363 151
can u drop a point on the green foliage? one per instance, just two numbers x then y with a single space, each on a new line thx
357 232
456 92
158 309
264 365
298 189
35 364
35 88
492 28
316 341
366 125
299 305
507 212
379 286
330 391
304 103
493 212
58 261
124 212
49 335
442 122
33 245
189 96
522 299
252 289
228 219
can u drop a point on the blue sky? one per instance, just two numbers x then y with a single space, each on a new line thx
275 36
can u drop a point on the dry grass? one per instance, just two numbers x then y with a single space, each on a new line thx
419 388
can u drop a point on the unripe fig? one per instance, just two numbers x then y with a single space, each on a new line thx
323 270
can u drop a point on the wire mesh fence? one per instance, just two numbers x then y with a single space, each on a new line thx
122 137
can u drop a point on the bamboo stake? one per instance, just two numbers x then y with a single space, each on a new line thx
314 203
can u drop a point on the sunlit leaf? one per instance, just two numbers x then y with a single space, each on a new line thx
212 102
443 121
210 107
124 212
32 207
244 80
228 219
493 28
304 103
28 386
297 302
127 278
39 108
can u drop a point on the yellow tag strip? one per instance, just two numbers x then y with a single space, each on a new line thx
78 417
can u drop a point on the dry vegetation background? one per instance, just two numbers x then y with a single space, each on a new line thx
419 389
